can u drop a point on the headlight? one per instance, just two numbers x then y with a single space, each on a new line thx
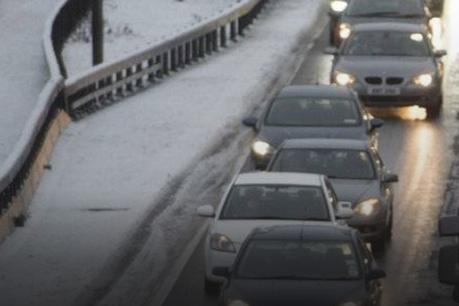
424 80
221 243
367 207
344 79
261 148
338 6
344 30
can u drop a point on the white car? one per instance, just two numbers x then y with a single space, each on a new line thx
262 199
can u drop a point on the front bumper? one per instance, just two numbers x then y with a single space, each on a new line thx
407 95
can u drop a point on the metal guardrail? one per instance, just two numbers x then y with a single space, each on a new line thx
15 170
105 83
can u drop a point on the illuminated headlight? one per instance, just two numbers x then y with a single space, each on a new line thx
344 79
222 243
261 148
344 30
424 80
367 207
338 6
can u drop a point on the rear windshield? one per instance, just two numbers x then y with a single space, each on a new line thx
340 164
385 8
310 260
276 202
386 43
297 111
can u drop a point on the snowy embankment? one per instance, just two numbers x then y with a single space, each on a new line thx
23 66
134 25
105 202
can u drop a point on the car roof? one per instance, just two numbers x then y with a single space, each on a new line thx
278 178
303 232
328 143
329 91
389 26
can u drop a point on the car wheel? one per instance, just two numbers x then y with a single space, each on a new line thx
434 110
210 287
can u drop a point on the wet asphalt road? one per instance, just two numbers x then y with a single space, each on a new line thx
419 152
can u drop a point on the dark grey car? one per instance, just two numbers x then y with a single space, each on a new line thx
357 174
369 11
391 64
311 111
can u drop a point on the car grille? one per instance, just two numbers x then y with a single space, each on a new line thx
373 80
394 81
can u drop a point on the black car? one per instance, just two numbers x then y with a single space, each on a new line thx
320 265
311 111
364 11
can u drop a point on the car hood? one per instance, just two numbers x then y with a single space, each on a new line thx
276 135
392 66
355 190
238 230
295 292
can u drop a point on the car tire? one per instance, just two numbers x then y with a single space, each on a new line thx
210 287
434 110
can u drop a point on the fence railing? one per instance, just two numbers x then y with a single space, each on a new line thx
105 83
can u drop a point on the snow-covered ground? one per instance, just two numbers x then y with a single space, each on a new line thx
134 25
23 65
114 168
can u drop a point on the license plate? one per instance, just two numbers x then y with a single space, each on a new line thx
384 91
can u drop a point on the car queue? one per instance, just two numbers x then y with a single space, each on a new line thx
296 233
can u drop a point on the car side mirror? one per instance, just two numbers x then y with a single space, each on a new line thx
376 123
448 265
448 226
390 178
344 210
250 122
376 273
221 271
331 51
206 211
440 53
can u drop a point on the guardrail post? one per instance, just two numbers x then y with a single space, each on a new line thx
209 43
139 68
173 59
202 45
195 49
151 75
165 61
233 30
214 36
223 36
188 55
119 89
129 72
180 55
159 73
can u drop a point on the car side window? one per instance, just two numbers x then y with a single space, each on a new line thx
331 195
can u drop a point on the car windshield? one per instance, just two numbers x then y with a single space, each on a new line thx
386 8
276 202
386 43
299 111
339 164
311 260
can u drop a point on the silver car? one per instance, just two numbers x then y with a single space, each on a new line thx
391 64
357 174
311 111
265 199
